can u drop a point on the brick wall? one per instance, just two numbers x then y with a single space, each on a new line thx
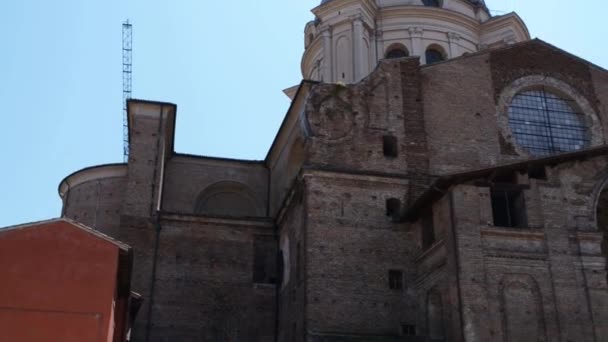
187 177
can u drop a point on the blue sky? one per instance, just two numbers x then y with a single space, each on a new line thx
224 63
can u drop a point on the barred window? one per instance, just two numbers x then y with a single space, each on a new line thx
544 123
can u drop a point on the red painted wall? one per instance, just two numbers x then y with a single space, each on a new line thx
57 283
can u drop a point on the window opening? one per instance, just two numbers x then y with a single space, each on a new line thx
431 3
537 172
544 123
395 279
433 56
428 229
393 207
408 329
504 176
264 262
389 146
508 208
397 53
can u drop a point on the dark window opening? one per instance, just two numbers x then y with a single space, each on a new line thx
505 177
537 172
408 330
428 229
434 56
431 3
508 208
397 53
389 146
393 208
395 279
264 262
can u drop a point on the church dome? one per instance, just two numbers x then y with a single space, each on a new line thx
478 3
347 39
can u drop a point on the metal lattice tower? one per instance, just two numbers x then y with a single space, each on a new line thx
127 78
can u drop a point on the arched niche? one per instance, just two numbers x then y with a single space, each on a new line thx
435 315
522 309
228 198
601 213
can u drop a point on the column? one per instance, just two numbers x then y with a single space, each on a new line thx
373 49
454 39
417 49
327 55
358 59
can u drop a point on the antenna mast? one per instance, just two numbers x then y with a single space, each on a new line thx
127 73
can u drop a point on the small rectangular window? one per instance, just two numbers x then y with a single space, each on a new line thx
508 208
264 260
428 229
389 146
408 330
393 208
395 279
537 172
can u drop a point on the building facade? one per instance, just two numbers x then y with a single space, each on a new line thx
74 288
449 187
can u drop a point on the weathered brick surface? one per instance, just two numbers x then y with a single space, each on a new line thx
460 115
351 246
97 204
325 200
187 177
537 283
538 58
218 302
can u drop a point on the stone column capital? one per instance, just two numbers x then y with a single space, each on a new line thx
453 36
416 32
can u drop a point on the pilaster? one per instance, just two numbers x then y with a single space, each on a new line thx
417 49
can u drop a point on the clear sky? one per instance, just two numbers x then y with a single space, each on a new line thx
224 63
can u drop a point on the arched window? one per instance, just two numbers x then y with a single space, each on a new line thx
228 198
434 54
397 51
544 123
431 3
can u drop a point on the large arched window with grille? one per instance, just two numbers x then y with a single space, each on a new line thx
545 123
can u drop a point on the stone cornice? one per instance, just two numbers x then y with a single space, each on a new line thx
511 20
420 13
98 172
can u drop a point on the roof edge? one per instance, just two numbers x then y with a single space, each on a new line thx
442 184
65 182
39 224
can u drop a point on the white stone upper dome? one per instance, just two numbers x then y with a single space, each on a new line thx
348 37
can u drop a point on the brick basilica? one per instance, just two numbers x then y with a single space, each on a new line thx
439 176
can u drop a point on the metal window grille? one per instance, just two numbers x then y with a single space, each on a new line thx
545 124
